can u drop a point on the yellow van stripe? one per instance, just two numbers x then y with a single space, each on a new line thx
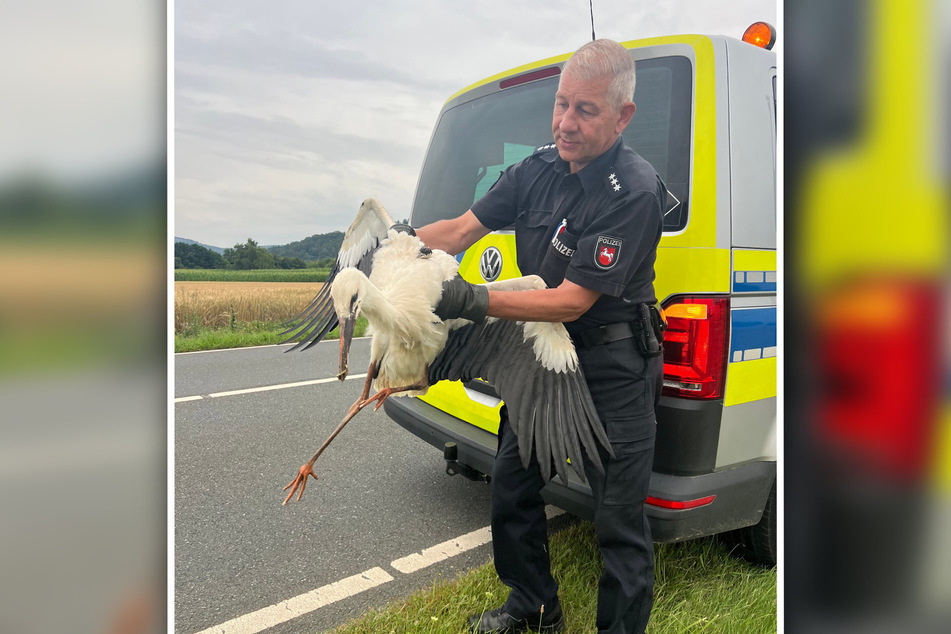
518 70
751 260
505 243
750 381
691 271
701 228
450 396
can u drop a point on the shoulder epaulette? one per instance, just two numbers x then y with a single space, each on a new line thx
614 183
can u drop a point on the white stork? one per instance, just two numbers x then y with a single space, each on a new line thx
396 282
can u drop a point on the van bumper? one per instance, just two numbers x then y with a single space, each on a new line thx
740 491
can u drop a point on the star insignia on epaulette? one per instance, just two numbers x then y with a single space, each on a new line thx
614 182
550 146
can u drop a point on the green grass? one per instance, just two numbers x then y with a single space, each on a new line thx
254 275
242 335
699 587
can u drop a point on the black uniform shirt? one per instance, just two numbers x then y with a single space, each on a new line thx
598 228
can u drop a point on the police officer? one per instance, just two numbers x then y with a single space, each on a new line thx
588 217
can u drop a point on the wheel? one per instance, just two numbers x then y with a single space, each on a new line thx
757 543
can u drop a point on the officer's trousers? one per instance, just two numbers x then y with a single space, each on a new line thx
625 387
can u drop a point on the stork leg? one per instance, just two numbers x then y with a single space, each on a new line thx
385 393
307 469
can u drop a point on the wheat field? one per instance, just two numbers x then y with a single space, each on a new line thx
225 304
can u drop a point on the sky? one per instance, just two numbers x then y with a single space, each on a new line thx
287 115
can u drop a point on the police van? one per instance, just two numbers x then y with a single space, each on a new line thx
706 121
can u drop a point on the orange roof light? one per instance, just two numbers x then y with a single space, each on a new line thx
762 34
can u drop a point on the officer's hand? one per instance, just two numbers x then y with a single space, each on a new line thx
462 300
400 227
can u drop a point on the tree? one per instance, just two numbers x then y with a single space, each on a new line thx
195 256
249 256
289 263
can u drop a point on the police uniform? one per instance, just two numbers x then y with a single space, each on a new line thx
599 229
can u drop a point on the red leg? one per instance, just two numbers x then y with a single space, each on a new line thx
307 469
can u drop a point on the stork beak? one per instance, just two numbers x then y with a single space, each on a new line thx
346 337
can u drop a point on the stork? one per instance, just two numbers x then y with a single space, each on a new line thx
393 279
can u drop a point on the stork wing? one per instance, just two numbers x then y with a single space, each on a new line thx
361 241
549 408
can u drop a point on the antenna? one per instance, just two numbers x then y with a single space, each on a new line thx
591 7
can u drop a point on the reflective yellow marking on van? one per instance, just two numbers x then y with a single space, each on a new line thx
451 397
887 179
518 70
505 243
751 260
701 228
750 381
691 271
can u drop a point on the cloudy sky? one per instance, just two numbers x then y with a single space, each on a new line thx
288 114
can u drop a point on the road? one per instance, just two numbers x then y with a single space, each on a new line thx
244 561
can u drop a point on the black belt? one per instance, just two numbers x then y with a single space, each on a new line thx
603 334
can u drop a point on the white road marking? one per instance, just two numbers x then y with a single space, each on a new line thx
267 388
452 547
440 552
278 613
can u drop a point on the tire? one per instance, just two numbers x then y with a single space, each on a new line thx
757 543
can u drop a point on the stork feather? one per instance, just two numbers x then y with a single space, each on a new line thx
360 242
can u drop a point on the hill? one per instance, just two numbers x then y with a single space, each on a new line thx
317 247
218 250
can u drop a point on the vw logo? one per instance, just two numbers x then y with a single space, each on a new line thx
490 264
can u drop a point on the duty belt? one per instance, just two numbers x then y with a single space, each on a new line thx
603 334
647 331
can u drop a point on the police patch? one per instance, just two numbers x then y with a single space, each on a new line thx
606 252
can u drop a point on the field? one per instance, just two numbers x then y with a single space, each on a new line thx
254 275
232 305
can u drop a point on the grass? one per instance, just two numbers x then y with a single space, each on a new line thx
699 587
244 335
216 315
254 275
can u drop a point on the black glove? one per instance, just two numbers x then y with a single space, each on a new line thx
462 300
400 227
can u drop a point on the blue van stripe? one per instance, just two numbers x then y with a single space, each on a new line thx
753 333
754 281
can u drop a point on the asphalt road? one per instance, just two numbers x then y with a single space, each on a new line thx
382 495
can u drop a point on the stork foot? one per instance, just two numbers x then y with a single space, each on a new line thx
386 392
379 397
307 469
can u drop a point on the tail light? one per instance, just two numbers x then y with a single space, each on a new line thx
879 372
695 346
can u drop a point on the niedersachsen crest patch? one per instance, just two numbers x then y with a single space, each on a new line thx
606 252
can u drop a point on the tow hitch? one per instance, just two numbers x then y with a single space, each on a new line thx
451 453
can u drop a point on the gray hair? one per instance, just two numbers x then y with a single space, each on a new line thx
605 59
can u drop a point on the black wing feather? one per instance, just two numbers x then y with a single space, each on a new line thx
319 318
550 412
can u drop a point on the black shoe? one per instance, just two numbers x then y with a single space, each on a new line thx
498 621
